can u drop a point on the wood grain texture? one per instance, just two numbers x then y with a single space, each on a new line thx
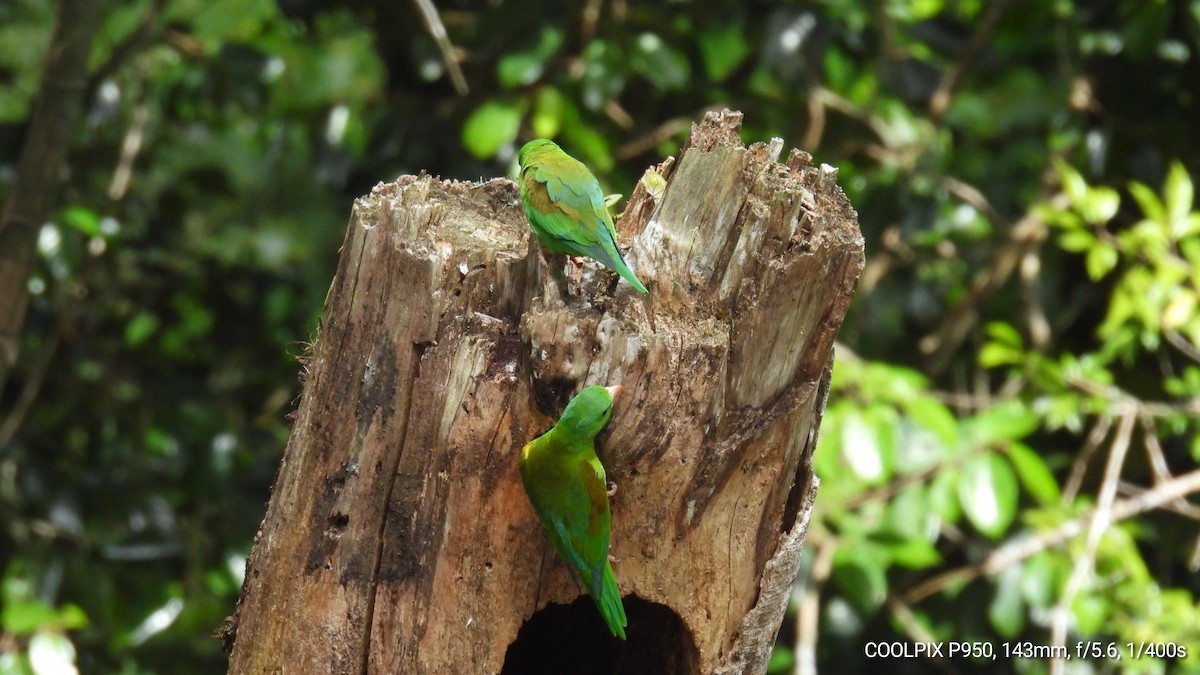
398 538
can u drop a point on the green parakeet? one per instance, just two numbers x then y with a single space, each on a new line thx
566 484
565 207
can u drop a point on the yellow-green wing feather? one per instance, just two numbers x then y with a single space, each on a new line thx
568 493
565 207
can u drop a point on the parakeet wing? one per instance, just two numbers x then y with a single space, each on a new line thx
566 205
571 501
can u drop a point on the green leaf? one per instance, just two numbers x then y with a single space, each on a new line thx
908 514
935 418
860 576
655 184
1041 577
492 126
914 553
1148 200
23 614
1090 612
1007 609
1006 421
52 652
723 48
1101 205
1101 259
1073 184
547 115
1004 333
1077 241
662 66
988 494
994 355
1034 474
782 660
867 447
943 495
1178 194
83 219
519 69
140 327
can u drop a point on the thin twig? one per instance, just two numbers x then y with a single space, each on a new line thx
1026 235
661 133
131 146
29 392
1102 516
816 124
126 48
1084 457
1179 505
1030 545
34 189
437 30
1181 343
1154 451
904 616
808 616
939 103
1035 316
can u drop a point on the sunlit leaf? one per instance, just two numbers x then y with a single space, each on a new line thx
1007 609
491 127
140 327
1101 259
1149 202
83 219
664 67
1042 577
547 114
1101 205
943 495
724 48
1034 474
934 417
52 653
1077 241
519 69
860 577
1006 421
1178 194
988 494
1090 611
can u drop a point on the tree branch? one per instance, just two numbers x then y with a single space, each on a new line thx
52 121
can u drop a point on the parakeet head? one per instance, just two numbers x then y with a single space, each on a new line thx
535 147
587 413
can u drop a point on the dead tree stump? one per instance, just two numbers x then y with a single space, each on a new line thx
398 538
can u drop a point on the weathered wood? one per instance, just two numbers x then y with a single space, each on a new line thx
398 539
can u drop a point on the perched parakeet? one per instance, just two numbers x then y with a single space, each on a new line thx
565 207
566 484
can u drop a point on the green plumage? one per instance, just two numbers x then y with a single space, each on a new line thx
566 485
565 207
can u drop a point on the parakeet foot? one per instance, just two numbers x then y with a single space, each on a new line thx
612 488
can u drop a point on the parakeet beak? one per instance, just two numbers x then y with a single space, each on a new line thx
614 390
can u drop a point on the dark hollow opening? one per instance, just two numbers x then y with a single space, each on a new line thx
573 639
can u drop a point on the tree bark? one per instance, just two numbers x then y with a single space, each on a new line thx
47 140
398 539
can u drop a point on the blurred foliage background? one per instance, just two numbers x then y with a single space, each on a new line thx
1011 444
